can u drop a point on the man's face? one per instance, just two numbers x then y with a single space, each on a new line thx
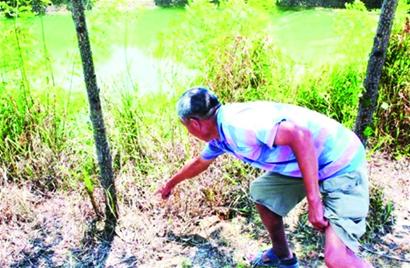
198 128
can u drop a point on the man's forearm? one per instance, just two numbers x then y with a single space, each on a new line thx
189 170
301 142
308 164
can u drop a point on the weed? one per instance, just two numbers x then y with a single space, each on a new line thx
380 219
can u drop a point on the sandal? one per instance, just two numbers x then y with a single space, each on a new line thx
271 260
266 258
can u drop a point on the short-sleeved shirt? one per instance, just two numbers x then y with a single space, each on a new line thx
248 130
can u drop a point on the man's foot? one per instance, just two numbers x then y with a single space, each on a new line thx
268 258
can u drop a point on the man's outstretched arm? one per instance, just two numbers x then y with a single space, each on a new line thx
189 170
301 142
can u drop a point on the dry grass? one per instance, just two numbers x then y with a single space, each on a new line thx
193 229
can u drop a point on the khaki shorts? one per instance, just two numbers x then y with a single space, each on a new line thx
345 198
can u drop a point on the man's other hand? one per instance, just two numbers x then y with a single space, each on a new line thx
316 216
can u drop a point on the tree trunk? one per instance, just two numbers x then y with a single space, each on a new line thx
368 100
96 116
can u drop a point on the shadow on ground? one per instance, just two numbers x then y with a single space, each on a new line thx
95 246
40 252
206 254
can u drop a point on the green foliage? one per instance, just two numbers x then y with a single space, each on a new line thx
130 120
356 5
248 69
392 119
16 8
138 137
32 137
334 92
380 219
88 182
235 55
24 8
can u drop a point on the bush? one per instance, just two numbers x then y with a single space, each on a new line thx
334 93
14 8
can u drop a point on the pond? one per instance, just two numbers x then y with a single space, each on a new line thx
123 45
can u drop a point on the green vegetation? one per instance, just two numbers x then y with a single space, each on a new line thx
394 102
18 8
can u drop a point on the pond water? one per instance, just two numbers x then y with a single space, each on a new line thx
122 46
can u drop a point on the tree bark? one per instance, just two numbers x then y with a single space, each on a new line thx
96 116
368 100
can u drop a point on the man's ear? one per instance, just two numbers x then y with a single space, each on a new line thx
194 123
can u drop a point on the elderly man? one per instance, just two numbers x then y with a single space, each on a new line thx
304 153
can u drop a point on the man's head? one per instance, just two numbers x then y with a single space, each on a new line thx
196 109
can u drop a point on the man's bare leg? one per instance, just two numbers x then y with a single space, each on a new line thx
338 255
274 224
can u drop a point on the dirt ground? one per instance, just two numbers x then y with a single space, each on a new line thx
56 229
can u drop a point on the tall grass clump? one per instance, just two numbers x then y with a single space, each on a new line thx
334 92
250 68
32 137
147 134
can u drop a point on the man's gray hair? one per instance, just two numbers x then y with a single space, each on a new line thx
198 102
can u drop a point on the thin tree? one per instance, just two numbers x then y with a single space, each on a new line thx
96 116
368 100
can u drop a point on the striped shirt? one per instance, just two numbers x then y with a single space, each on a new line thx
248 130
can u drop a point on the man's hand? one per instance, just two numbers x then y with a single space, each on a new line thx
191 169
164 191
316 215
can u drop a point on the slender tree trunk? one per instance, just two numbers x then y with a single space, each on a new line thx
368 100
96 115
